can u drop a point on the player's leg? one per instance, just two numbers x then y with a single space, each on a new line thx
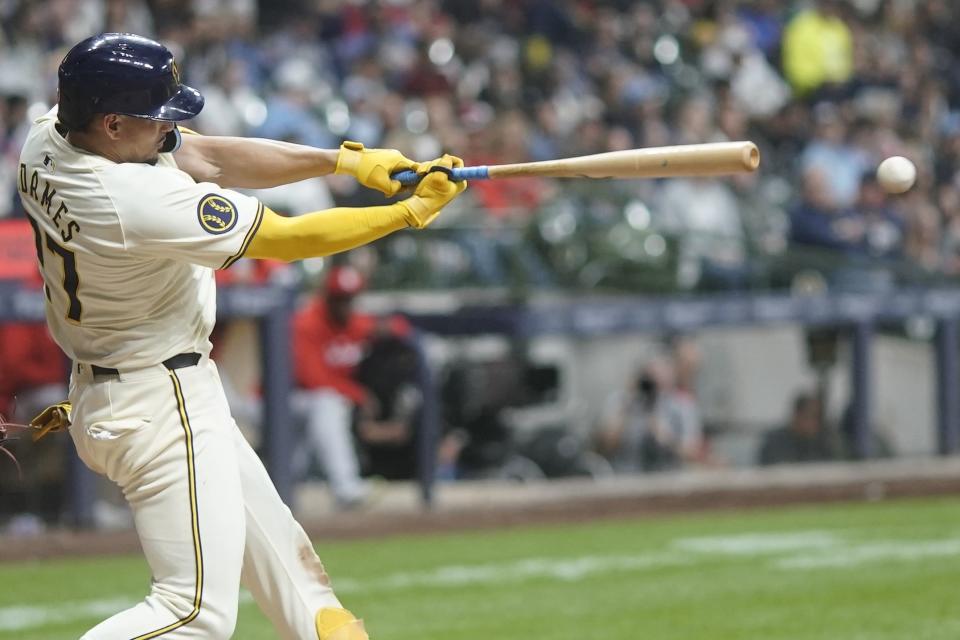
280 567
329 417
170 449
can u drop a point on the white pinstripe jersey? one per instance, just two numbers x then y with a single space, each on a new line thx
127 251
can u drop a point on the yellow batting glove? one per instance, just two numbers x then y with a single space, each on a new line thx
434 191
54 418
373 167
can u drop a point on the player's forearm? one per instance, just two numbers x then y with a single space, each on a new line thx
322 233
252 163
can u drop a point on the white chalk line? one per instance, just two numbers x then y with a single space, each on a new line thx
21 617
798 550
881 551
757 544
806 550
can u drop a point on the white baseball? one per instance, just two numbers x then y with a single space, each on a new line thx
896 174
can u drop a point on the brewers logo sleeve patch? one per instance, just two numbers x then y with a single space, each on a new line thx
216 214
180 219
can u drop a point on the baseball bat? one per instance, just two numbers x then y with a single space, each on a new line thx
686 160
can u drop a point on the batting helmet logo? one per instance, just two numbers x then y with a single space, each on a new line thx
216 214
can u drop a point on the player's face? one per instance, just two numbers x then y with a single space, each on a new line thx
340 308
142 138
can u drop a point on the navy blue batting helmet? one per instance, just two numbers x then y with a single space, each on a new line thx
123 73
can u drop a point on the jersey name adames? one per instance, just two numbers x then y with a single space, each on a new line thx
127 251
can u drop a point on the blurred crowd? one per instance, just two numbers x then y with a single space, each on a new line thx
826 88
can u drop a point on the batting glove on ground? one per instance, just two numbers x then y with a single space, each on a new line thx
373 167
433 192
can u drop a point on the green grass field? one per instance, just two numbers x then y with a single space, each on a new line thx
854 572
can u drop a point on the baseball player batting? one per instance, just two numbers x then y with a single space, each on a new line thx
131 219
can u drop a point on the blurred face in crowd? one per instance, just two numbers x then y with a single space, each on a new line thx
13 111
686 358
871 195
816 189
806 416
655 378
829 8
733 122
513 130
340 307
831 129
695 119
924 226
949 201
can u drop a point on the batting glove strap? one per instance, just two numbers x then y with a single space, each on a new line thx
418 212
373 167
348 160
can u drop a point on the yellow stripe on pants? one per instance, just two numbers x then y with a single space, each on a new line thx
194 517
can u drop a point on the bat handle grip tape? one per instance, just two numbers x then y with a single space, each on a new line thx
460 173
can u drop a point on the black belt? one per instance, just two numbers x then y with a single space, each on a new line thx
178 361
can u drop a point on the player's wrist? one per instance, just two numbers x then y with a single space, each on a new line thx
348 159
418 212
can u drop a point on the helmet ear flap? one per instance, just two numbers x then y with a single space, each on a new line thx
71 112
172 142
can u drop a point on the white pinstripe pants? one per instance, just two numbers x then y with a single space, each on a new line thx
206 512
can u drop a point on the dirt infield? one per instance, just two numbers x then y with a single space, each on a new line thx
488 505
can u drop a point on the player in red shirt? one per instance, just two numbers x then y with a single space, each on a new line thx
29 360
329 339
33 375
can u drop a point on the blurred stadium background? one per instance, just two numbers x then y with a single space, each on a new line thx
556 349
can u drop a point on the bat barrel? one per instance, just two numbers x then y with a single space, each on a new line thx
751 156
712 159
687 160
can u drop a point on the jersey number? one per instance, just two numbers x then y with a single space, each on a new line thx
71 281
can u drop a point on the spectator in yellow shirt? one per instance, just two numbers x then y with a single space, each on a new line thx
817 48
